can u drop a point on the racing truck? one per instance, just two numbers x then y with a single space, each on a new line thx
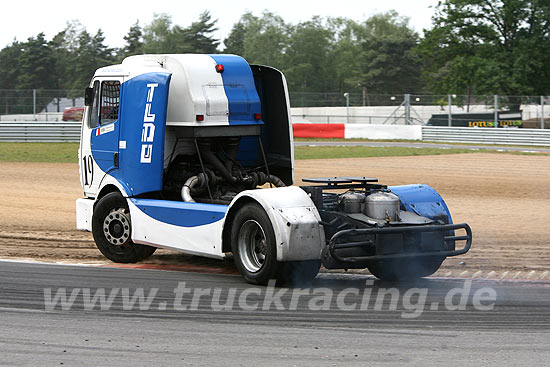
195 153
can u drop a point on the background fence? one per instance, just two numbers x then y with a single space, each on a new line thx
422 109
70 132
527 137
47 115
436 110
35 101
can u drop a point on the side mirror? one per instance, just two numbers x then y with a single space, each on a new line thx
88 96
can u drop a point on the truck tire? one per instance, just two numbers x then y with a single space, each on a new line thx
405 269
111 228
255 253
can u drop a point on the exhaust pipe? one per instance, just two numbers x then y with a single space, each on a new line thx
187 187
276 181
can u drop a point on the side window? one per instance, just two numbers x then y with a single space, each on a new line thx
93 116
110 98
104 110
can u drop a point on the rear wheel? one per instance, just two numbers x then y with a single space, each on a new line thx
255 253
405 269
111 228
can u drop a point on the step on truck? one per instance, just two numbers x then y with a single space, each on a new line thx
195 153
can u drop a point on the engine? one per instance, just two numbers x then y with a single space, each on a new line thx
207 170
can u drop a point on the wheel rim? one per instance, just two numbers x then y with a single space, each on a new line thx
252 245
116 227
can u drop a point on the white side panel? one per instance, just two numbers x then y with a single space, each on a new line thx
295 221
201 240
84 211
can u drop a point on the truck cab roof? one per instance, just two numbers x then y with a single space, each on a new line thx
218 88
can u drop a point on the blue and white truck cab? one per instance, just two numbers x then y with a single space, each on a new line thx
195 153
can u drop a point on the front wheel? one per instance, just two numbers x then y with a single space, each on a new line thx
111 228
254 249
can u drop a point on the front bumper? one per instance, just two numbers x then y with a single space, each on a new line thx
356 248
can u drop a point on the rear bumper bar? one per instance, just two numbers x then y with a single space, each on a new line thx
444 233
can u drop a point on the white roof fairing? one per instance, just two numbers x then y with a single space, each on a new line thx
195 88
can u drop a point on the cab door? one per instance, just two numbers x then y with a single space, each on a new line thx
99 146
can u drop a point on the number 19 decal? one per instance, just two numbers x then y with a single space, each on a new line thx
88 170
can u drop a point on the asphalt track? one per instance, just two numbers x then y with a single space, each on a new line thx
179 331
500 148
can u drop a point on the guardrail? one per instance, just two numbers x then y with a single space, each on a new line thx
500 136
351 119
70 132
39 131
40 117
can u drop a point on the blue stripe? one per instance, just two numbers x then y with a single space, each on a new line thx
240 89
180 213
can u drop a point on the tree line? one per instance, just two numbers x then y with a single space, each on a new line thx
474 47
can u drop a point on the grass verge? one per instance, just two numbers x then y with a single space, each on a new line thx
39 152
